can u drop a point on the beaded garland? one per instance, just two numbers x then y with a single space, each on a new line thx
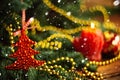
9 29
36 25
72 31
107 24
51 67
53 45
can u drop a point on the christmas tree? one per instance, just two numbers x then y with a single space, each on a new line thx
67 40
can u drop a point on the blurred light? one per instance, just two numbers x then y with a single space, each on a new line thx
116 41
92 25
116 2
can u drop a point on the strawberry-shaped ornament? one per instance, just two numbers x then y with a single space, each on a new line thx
90 43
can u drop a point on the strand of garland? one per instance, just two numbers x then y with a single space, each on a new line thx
54 44
70 17
36 25
10 31
49 67
97 75
107 25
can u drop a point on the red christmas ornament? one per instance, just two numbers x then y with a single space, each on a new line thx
90 43
24 54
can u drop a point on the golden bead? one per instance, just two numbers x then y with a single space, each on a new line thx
100 63
62 58
66 71
101 78
57 73
73 68
12 50
71 60
52 43
18 22
10 29
51 67
19 27
43 45
73 63
60 45
94 77
45 69
85 68
60 77
11 33
63 69
76 78
48 70
110 60
58 59
11 37
116 58
107 62
12 42
113 59
46 66
60 66
10 25
98 79
53 61
92 74
49 62
87 64
97 63
47 45
83 75
94 62
103 63
51 47
97 73
56 48
67 58
91 62
40 69
88 73
55 66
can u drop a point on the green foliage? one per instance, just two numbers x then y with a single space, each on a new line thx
10 13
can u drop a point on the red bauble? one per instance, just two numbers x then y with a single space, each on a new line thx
90 43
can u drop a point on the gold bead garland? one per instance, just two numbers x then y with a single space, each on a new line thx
70 17
9 29
102 63
36 25
49 67
107 24
96 75
93 75
54 44
102 10
96 8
